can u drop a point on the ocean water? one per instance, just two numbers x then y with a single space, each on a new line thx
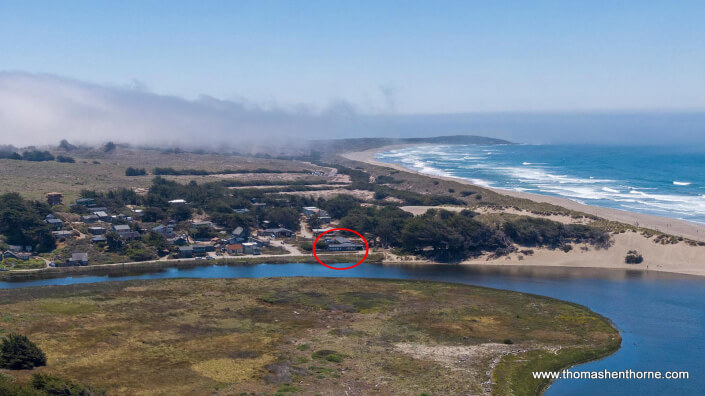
663 181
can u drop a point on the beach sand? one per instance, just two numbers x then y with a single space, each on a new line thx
677 258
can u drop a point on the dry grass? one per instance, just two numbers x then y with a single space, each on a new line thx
307 335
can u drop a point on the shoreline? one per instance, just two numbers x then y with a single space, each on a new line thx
676 227
541 264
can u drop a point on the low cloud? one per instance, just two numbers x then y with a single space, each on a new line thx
38 109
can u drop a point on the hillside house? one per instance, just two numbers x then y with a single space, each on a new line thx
251 248
79 259
125 232
55 198
235 248
277 232
96 230
85 202
167 231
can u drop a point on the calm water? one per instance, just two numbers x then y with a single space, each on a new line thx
661 317
663 181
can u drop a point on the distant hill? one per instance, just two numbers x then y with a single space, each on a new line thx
358 144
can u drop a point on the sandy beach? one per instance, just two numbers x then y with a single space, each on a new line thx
676 258
667 225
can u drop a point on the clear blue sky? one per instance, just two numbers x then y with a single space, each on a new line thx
428 57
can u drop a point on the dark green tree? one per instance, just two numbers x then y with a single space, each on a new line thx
17 352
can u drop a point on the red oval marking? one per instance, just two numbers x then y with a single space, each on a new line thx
367 248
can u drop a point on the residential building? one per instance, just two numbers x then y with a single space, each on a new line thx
54 198
53 222
85 202
96 230
79 259
167 231
251 248
61 234
235 248
277 232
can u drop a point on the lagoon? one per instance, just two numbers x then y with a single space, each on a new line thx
661 316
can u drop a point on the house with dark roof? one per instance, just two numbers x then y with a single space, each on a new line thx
96 230
125 232
54 223
277 232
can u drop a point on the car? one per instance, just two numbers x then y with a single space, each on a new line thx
210 258
199 258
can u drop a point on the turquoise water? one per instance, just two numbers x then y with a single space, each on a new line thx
663 181
661 317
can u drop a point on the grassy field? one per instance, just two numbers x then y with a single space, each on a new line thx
15 264
301 336
100 171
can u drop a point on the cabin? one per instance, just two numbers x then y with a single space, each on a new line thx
277 232
96 230
61 234
53 222
340 244
79 259
17 255
167 231
239 234
85 202
54 198
323 216
235 248
125 232
103 216
89 218
251 248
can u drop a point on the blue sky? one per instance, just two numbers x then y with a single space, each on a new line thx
384 57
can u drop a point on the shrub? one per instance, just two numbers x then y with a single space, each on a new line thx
17 352
64 158
135 172
466 193
331 356
52 385
633 257
36 155
451 190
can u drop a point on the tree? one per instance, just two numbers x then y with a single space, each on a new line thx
109 147
17 352
113 241
65 158
135 171
287 217
314 221
339 206
66 146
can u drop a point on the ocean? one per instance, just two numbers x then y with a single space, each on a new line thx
664 181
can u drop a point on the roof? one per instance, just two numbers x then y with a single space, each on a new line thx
185 248
235 246
177 201
121 227
98 239
238 231
54 221
249 244
277 230
79 257
341 240
100 214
